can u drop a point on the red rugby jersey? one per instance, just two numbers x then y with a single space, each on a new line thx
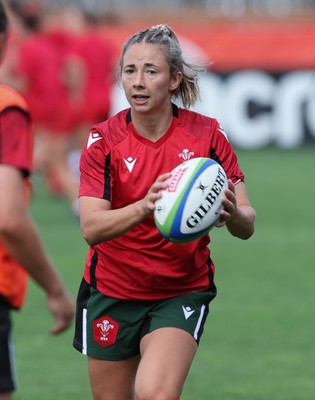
119 165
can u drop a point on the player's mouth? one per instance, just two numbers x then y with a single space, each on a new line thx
140 99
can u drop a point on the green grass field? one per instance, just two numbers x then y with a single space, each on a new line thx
259 339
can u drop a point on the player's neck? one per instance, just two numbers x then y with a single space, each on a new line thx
153 126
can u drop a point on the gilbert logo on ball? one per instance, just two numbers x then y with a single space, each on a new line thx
191 204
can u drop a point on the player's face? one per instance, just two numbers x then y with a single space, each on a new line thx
146 78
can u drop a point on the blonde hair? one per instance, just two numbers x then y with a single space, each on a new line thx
188 90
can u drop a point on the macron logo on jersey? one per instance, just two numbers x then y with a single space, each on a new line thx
130 163
94 137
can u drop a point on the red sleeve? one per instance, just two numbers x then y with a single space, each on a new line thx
226 154
93 170
16 141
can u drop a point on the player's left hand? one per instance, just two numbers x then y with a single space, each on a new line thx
229 203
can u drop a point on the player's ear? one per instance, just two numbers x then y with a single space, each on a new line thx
175 80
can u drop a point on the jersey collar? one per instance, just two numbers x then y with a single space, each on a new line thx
174 110
163 139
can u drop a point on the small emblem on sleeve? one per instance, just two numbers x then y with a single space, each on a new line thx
94 137
105 331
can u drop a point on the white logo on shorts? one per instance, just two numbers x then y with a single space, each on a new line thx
187 311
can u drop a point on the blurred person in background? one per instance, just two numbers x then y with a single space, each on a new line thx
143 301
39 75
89 71
55 68
96 54
21 249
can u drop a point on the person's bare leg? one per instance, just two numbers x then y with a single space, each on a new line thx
112 380
167 354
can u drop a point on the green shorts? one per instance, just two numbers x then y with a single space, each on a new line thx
111 329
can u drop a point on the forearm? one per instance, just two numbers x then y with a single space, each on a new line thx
242 223
24 245
102 225
99 222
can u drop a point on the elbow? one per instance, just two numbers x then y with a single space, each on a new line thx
89 237
9 228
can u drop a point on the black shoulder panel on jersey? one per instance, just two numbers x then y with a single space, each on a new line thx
214 156
107 178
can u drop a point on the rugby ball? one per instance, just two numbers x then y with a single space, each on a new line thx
191 204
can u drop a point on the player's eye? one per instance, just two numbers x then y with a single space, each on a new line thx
128 71
151 71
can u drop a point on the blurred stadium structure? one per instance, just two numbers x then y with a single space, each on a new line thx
226 8
260 83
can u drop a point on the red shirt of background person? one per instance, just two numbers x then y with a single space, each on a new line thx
20 244
88 47
40 63
19 156
40 69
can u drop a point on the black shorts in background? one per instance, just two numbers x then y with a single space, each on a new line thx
7 358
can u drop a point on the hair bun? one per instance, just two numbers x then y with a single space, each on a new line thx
162 29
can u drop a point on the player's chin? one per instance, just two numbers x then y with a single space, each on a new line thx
141 107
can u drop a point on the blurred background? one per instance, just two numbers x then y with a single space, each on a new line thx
260 56
260 84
